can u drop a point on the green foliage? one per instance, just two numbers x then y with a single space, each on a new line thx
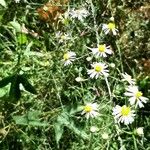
31 118
42 101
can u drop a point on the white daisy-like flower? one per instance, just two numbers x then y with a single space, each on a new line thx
80 14
62 37
135 96
98 69
110 27
102 50
128 78
90 110
68 58
123 114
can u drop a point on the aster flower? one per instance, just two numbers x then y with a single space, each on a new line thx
98 69
69 57
128 78
80 14
62 36
123 114
135 96
102 50
90 110
110 27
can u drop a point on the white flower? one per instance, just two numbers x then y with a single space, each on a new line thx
69 57
94 129
62 36
110 27
80 14
90 110
139 131
98 69
101 50
135 96
123 114
105 136
128 78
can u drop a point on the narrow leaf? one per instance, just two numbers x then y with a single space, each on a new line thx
15 92
28 87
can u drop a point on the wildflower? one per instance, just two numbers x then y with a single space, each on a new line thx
135 96
101 50
62 36
98 69
139 131
80 14
90 110
110 27
105 136
128 78
69 57
93 129
123 114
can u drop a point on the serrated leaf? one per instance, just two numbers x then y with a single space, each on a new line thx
5 81
21 120
3 3
16 26
28 87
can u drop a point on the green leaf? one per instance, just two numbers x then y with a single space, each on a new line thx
5 81
28 87
22 38
4 90
3 3
59 129
15 92
38 123
16 26
33 115
21 120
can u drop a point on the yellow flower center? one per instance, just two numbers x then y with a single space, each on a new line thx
88 108
98 68
138 94
125 111
66 56
101 48
111 26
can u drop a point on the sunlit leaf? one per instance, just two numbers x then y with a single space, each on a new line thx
16 26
